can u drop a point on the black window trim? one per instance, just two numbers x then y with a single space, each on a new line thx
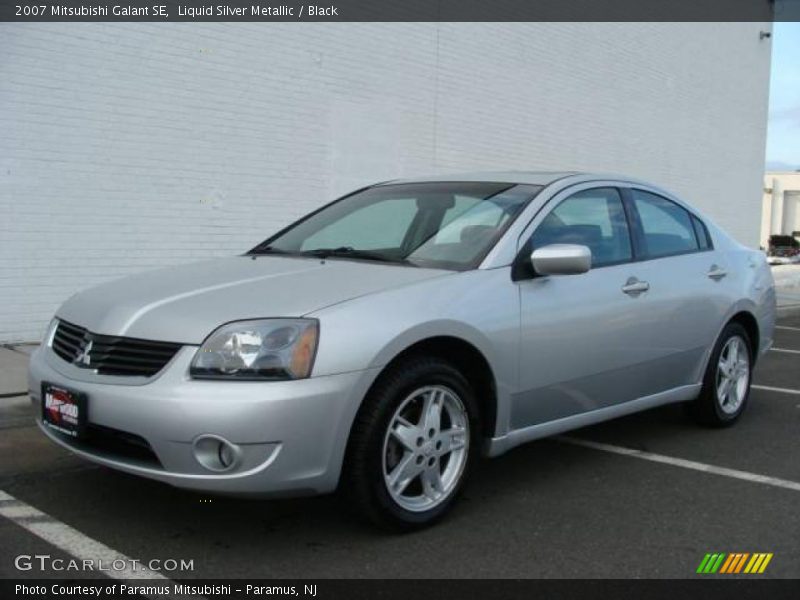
521 268
706 233
640 242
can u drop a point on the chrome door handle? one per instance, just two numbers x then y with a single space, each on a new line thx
716 273
634 287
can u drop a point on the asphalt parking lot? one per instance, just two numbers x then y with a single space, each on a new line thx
554 508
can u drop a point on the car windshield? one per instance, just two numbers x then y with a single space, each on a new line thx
437 225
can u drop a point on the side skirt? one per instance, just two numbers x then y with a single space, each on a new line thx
499 445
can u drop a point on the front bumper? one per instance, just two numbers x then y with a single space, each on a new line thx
291 435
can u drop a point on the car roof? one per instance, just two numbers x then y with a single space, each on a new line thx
529 177
542 178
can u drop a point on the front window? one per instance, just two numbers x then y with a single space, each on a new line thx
437 225
594 218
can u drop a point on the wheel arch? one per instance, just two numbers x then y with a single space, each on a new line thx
455 347
745 317
470 361
748 320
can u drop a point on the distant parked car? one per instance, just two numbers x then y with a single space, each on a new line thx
380 343
783 249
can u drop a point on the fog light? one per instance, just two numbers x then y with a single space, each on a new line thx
227 456
216 453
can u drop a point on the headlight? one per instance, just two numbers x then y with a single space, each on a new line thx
264 349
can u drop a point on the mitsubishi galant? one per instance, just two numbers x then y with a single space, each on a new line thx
382 343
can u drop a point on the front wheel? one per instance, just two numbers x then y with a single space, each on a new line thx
412 444
726 385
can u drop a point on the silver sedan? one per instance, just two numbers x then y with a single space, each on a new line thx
383 342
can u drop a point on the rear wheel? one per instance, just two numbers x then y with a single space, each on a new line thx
412 444
726 385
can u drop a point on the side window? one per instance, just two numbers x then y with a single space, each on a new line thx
667 227
702 233
377 226
593 218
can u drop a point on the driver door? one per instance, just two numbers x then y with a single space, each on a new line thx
584 338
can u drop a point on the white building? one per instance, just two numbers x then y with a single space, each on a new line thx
780 209
126 147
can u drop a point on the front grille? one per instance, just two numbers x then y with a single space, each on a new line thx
111 355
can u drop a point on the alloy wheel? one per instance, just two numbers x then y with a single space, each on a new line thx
733 375
425 448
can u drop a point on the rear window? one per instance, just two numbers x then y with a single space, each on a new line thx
667 227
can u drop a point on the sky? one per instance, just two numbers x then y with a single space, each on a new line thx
783 134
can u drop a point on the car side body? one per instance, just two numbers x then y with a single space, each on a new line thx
545 354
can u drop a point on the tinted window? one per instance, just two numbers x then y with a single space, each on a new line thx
593 218
470 217
439 224
380 225
702 233
666 226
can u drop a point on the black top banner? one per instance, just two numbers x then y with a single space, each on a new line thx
400 10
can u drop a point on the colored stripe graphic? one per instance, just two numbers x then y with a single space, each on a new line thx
714 566
738 563
745 556
754 562
765 563
727 564
734 563
712 558
703 563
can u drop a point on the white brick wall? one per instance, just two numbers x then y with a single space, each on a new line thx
126 147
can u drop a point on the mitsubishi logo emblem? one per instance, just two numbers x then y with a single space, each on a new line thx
84 356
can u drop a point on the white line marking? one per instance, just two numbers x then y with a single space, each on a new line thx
686 464
769 388
84 548
785 350
70 540
786 327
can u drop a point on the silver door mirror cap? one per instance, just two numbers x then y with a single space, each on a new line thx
561 259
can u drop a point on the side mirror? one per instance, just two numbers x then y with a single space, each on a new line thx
561 259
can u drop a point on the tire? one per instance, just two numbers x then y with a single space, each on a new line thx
719 406
390 476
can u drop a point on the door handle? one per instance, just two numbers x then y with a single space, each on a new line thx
716 273
634 287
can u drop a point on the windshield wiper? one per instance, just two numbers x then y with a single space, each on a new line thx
350 252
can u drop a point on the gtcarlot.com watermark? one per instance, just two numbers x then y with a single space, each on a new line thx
45 562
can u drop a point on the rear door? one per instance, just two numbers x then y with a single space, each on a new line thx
687 281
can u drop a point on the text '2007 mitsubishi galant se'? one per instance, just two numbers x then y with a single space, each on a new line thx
381 343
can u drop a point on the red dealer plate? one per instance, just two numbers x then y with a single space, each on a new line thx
63 410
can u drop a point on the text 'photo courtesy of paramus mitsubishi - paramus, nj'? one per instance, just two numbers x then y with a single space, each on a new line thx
380 344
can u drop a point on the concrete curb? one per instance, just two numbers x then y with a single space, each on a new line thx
16 401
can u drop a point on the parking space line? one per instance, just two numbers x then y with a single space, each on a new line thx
785 350
769 388
683 463
71 541
787 327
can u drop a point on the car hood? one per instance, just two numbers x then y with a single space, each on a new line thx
184 304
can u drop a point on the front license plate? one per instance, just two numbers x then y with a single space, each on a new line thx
63 410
